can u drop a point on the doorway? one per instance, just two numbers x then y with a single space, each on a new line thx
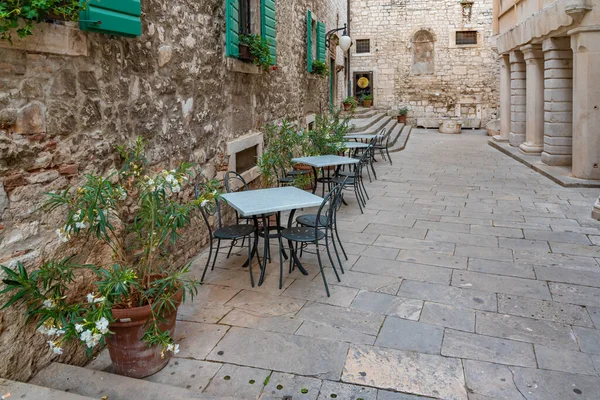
363 84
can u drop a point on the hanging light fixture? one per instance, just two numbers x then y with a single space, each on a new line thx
345 41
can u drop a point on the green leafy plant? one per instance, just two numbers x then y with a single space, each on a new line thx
283 141
327 135
20 15
402 111
139 215
351 100
366 97
320 68
259 49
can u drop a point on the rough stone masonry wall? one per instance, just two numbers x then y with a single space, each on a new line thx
61 116
467 76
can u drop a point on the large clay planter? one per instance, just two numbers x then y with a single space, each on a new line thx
304 167
401 119
367 103
131 356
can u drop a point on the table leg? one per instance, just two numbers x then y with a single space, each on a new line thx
314 189
265 254
293 255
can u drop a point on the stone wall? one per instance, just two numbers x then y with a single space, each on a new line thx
61 116
455 80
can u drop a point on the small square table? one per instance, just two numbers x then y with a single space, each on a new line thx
355 145
322 162
251 203
360 137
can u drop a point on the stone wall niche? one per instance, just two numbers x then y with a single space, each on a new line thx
241 150
423 54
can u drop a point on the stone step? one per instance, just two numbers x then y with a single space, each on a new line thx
384 122
362 124
370 113
96 384
400 141
20 390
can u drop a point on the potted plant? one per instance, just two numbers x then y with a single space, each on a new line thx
367 100
320 68
13 12
132 308
327 135
350 103
402 115
258 49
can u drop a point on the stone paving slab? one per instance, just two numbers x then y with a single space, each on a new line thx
486 253
258 320
299 387
363 281
589 339
265 304
407 372
355 320
202 312
490 381
388 305
501 284
557 260
575 294
435 259
501 268
196 340
391 230
463 238
484 348
315 291
462 319
409 335
530 330
406 270
331 332
468 298
337 390
539 384
193 375
414 244
585 278
564 360
541 309
281 352
238 382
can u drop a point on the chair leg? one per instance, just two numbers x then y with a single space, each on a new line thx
373 169
368 173
358 199
337 254
331 258
231 248
216 254
337 234
322 272
250 251
387 150
208 260
280 263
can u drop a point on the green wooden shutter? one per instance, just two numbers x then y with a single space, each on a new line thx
321 53
309 39
268 26
112 17
232 28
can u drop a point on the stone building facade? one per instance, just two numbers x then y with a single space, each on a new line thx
550 81
433 56
67 97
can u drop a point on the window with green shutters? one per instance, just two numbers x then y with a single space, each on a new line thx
309 39
315 41
321 52
237 15
112 17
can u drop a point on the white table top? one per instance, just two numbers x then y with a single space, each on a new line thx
356 145
324 161
368 137
265 201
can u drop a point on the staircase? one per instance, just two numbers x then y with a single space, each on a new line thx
367 121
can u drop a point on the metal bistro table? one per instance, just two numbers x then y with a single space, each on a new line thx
355 145
323 162
360 137
260 202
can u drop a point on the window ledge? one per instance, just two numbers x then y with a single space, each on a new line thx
65 40
235 65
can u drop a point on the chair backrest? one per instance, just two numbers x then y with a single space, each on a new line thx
209 209
383 133
327 209
234 182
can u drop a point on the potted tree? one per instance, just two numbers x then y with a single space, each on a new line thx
402 115
350 103
367 100
132 308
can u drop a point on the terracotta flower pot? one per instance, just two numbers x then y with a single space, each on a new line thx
131 356
401 119
367 103
347 106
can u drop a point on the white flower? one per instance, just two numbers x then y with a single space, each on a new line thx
63 234
78 328
49 304
214 192
102 325
170 178
77 215
81 225
204 203
176 189
90 339
173 347
60 332
86 335
123 195
43 330
90 297
55 347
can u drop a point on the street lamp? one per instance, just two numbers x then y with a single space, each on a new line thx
345 41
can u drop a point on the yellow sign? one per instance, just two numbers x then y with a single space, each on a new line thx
363 82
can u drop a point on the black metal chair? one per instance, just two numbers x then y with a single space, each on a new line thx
305 236
234 182
231 232
355 180
310 220
383 144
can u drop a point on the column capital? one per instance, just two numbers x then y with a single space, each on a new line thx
532 51
556 43
585 38
516 57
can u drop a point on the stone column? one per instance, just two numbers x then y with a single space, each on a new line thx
558 101
585 43
534 126
517 98
505 115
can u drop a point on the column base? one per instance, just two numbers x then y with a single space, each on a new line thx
596 210
557 159
515 139
498 138
531 149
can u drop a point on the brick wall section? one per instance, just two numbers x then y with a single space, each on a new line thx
61 116
467 76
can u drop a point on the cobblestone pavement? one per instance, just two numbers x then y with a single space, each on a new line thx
469 277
